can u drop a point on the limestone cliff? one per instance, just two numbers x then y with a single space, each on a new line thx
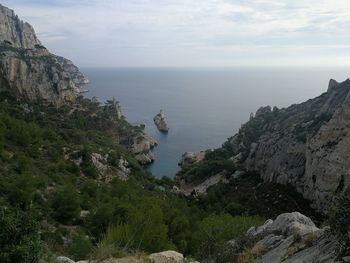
305 145
15 32
27 69
75 74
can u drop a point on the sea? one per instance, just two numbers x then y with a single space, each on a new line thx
203 106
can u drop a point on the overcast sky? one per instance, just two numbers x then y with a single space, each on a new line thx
192 33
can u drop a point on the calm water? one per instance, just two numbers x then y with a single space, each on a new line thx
203 107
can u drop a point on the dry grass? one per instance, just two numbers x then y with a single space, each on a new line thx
310 239
250 255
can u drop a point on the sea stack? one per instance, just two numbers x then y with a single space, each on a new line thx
160 122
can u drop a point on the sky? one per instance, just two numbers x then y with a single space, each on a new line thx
192 33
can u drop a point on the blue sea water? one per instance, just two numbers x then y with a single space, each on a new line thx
203 106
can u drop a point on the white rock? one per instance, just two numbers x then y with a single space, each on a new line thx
169 256
62 259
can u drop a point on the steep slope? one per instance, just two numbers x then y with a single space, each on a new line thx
16 32
77 77
305 145
28 70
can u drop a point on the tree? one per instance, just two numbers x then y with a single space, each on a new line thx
66 204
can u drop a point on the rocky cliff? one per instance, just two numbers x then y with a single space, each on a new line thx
75 74
16 32
28 69
305 145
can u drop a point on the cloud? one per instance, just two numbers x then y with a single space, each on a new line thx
191 33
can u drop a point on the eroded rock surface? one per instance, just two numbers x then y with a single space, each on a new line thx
189 158
27 69
160 122
292 237
306 145
74 72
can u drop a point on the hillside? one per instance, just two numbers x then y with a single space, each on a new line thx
304 145
72 182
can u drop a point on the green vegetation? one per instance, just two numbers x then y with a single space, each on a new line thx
19 238
339 219
55 201
214 231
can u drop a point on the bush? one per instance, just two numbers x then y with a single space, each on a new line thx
250 255
22 191
80 247
143 230
339 220
66 205
215 230
19 238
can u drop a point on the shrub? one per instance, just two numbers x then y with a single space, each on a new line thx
19 238
339 219
80 247
215 230
143 230
250 255
310 239
22 191
65 204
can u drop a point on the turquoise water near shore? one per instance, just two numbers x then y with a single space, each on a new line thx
203 106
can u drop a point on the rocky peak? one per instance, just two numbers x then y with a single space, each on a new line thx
28 70
332 84
263 110
15 32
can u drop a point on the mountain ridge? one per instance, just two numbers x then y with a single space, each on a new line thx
304 145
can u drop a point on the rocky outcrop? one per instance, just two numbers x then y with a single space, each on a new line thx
201 188
74 73
35 75
15 32
189 158
305 145
103 164
141 145
169 256
291 237
160 122
332 84
27 69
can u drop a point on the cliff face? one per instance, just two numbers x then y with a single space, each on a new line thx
29 70
77 77
305 145
15 31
